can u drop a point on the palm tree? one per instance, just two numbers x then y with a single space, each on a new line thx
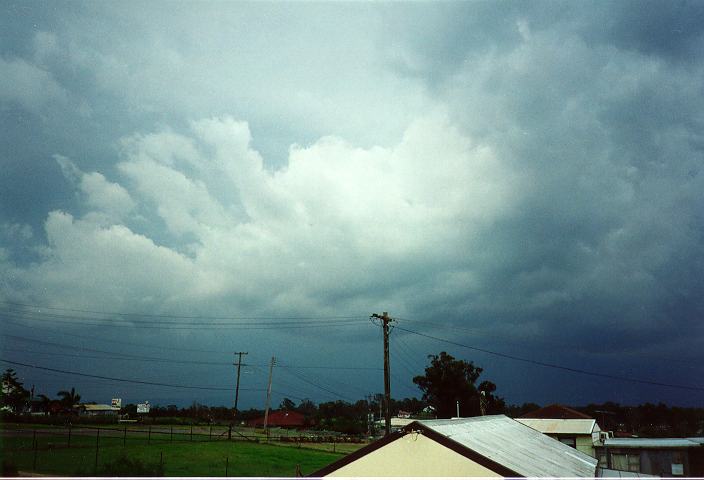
69 399
45 402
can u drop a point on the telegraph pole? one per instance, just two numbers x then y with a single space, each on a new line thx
482 402
237 387
268 393
387 377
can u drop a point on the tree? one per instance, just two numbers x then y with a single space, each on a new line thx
69 399
45 403
287 404
341 416
309 411
14 396
447 381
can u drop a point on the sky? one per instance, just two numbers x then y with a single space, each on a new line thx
519 184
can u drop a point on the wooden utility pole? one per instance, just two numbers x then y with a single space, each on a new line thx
237 387
385 320
268 393
482 402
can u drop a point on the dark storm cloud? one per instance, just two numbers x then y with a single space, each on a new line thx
526 175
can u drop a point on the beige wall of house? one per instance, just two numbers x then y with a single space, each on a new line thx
413 455
585 444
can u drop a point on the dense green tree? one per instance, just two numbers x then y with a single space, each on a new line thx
648 420
14 396
341 416
448 381
287 404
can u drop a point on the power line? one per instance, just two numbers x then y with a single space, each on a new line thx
125 356
261 371
543 343
125 380
131 357
98 357
309 382
142 382
555 366
411 353
325 367
184 326
187 317
275 321
120 342
396 355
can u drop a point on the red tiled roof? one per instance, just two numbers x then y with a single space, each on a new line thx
281 418
555 411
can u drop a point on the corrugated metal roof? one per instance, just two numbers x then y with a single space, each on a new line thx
97 407
519 448
651 442
577 426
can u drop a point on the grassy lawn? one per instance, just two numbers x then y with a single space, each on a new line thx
179 458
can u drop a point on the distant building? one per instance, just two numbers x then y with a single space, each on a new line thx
93 409
579 433
666 457
396 423
569 426
283 419
488 446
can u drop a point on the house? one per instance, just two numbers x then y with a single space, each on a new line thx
94 409
579 433
488 446
569 426
396 423
283 419
667 457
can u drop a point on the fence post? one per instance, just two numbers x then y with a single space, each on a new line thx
124 438
69 437
34 446
161 463
97 448
172 434
149 435
191 432
333 444
210 435
227 465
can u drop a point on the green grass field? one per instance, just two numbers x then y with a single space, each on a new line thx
180 458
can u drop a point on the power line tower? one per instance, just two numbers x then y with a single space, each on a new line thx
268 395
385 321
